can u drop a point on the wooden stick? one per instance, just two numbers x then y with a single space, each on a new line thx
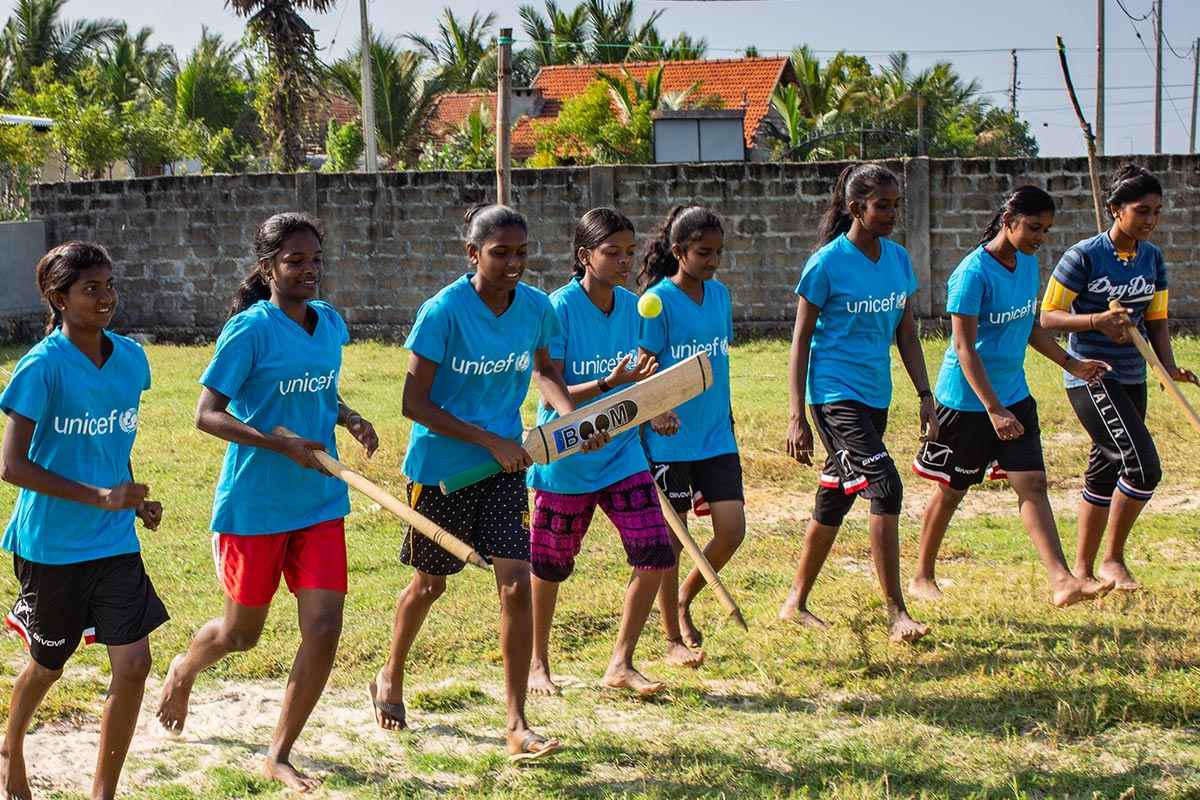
697 555
1160 371
1089 139
422 524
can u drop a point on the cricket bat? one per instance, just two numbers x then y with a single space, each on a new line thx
425 526
612 414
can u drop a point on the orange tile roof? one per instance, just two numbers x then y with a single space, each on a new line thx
739 82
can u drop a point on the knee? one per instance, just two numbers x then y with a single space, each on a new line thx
132 669
733 535
951 497
426 589
1034 485
44 676
887 494
514 588
323 628
239 640
1151 473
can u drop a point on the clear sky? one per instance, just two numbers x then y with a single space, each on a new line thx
930 30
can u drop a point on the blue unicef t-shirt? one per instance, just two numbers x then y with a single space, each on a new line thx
484 363
275 372
85 420
861 304
1004 302
683 329
591 344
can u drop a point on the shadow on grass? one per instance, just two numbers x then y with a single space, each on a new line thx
688 772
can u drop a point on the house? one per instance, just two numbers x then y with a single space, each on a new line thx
739 83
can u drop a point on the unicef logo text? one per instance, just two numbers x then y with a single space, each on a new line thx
87 425
491 366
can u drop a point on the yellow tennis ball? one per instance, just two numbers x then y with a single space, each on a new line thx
650 305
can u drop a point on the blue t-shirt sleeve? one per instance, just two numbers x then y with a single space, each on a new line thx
28 392
653 335
234 358
343 331
146 368
912 283
548 328
1160 271
814 282
1072 270
558 342
431 332
728 314
965 293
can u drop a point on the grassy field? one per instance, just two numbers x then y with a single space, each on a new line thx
1008 698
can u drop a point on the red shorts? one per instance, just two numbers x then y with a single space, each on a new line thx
249 567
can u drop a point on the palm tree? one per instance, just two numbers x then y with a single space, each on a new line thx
822 88
628 93
35 35
613 32
209 86
460 50
292 71
403 98
131 69
560 37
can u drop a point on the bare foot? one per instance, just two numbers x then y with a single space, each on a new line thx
925 589
1119 574
692 636
679 655
792 612
289 776
540 682
525 745
624 677
173 704
1077 590
906 629
12 772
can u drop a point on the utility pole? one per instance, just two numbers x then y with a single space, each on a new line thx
503 131
920 125
1012 91
367 81
1158 79
1100 77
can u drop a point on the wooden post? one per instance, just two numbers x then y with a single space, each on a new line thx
367 89
503 129
1012 89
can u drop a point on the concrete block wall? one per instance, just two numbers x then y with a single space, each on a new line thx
182 244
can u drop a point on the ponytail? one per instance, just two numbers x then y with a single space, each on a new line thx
268 241
683 225
1026 201
856 183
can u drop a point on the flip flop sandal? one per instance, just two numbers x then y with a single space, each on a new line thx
551 745
392 712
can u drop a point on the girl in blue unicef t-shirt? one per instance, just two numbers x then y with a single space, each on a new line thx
986 416
853 302
700 467
72 406
276 514
597 350
475 345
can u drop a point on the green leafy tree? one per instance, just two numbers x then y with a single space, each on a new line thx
131 69
403 96
461 52
614 33
209 86
152 137
291 75
471 146
344 146
630 94
22 153
557 37
86 133
36 35
589 131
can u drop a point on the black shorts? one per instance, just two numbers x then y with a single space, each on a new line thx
492 516
857 461
718 479
1123 454
108 600
967 449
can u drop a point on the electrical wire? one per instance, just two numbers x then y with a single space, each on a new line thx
1132 18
